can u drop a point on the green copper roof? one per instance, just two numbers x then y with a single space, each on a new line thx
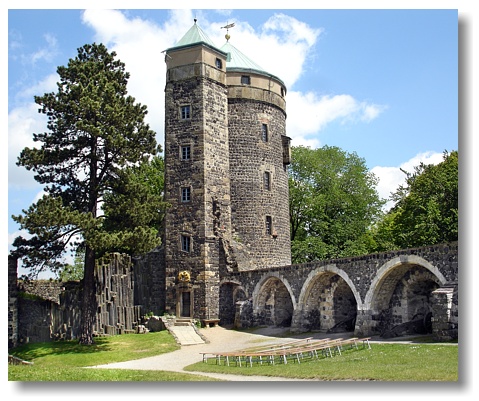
195 35
236 59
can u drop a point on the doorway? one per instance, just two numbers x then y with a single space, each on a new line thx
185 306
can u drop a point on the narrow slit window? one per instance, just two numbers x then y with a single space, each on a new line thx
267 180
185 243
269 225
219 63
264 132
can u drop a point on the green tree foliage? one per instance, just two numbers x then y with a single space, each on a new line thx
333 203
426 207
96 140
136 200
73 272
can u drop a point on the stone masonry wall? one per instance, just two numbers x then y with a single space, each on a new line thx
250 158
12 303
362 275
46 310
205 217
149 282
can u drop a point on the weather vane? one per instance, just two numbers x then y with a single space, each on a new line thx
228 26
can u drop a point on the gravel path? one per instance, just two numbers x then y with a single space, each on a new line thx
219 339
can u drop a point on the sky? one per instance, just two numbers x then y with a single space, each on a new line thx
380 83
380 79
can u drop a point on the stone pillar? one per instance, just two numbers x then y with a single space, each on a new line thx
445 325
365 323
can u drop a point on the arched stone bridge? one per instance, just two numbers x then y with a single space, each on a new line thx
389 293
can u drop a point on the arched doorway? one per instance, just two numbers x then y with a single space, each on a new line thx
402 301
273 306
329 304
230 293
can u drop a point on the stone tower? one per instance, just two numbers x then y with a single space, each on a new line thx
259 155
226 180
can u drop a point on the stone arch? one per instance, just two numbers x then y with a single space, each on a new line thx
230 293
273 301
399 298
328 301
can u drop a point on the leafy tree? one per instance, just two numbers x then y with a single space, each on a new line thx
333 203
426 206
96 137
73 272
136 199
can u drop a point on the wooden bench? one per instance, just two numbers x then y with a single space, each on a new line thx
274 347
294 350
208 322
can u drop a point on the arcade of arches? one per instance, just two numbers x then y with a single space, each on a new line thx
404 294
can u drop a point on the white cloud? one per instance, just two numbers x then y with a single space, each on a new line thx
45 53
321 111
22 122
139 43
282 46
390 178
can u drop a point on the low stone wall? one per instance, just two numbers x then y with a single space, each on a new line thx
46 310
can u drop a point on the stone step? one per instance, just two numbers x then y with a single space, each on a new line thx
182 322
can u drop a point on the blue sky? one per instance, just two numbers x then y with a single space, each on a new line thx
381 83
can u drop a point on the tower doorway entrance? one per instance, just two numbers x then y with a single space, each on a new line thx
185 304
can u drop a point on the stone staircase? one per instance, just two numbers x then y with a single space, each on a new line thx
184 331
183 321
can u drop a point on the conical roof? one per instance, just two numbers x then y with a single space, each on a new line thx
237 61
193 37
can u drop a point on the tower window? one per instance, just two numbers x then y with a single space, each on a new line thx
185 112
246 80
267 180
269 225
219 63
186 152
185 194
185 243
264 132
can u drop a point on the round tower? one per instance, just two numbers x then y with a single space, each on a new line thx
259 155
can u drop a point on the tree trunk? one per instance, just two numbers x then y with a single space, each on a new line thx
89 302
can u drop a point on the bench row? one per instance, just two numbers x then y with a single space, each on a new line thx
295 350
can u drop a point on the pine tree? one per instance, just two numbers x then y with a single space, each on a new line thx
96 136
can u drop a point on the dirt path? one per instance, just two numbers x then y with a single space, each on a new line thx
219 339
222 339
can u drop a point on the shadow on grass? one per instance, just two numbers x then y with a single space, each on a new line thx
30 352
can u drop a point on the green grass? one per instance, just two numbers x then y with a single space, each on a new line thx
65 360
383 362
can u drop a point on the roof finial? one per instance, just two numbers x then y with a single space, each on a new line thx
228 26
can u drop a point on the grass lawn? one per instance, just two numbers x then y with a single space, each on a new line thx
383 362
65 360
